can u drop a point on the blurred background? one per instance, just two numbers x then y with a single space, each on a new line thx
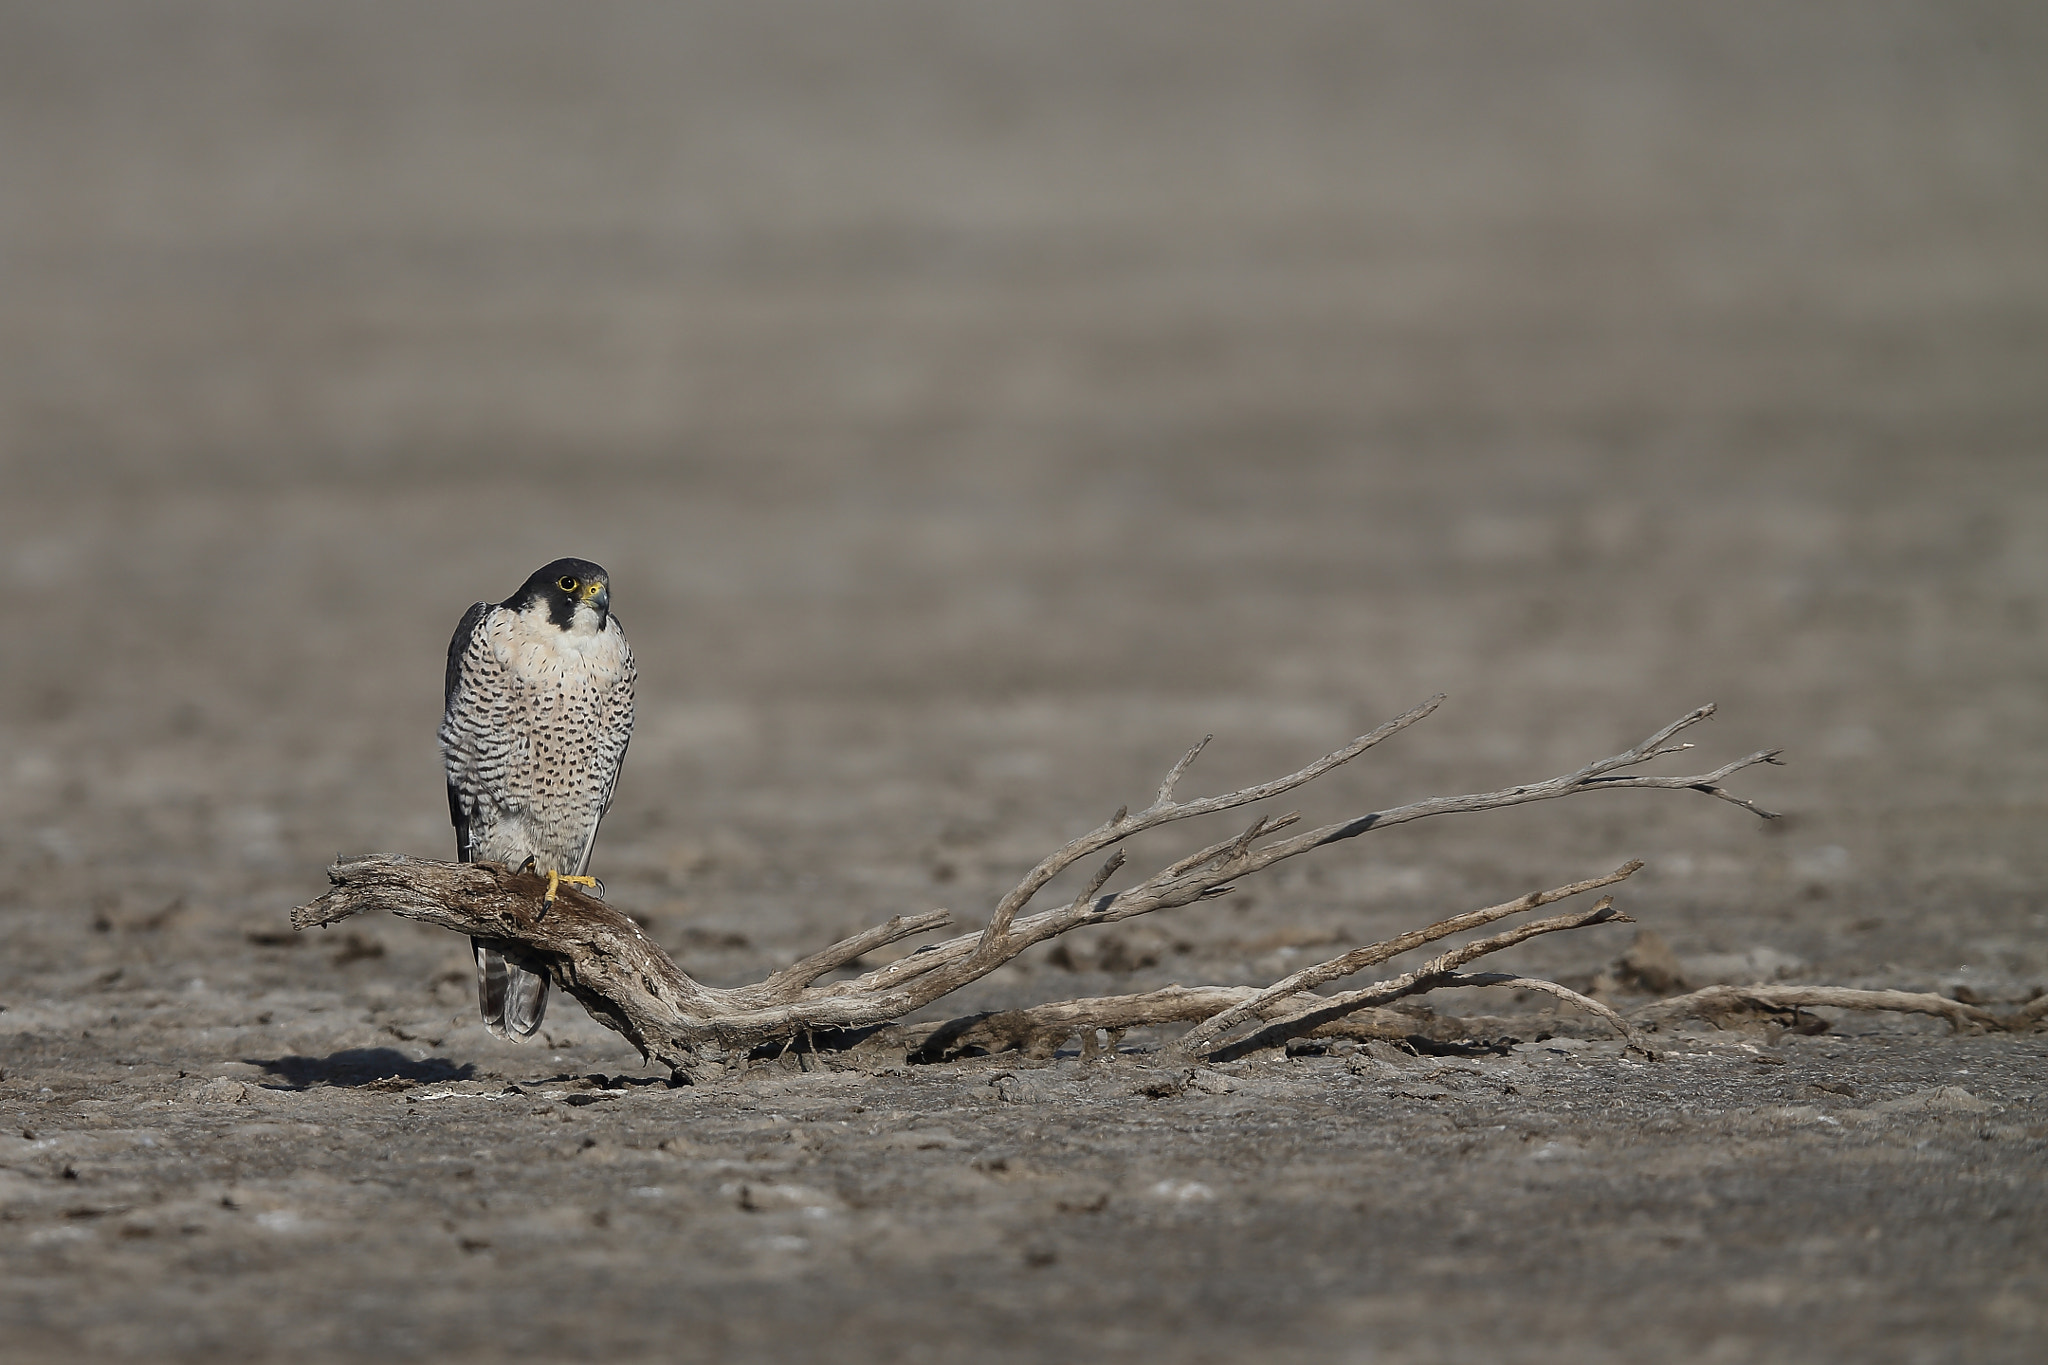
977 403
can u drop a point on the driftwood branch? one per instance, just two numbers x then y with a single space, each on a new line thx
1721 1002
627 983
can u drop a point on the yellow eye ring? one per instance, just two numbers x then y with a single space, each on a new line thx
566 584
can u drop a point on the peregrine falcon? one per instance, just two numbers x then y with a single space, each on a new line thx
538 710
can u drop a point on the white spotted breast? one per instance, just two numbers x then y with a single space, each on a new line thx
534 734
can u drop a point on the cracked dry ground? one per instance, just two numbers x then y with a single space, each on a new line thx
1757 1200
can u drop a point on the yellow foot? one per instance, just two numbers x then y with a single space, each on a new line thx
556 880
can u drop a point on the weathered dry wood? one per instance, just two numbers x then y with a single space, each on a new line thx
1722 1001
1564 993
1357 960
2029 1014
1042 1030
1438 973
583 945
1208 871
627 982
788 983
1164 810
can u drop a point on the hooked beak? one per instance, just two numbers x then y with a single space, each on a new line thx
599 596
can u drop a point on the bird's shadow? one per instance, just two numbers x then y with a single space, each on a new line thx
358 1066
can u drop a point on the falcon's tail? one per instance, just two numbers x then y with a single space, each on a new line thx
512 999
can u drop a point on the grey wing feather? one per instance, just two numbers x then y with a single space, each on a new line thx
490 985
511 999
458 813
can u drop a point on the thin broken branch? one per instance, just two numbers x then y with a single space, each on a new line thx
1565 993
1357 960
1721 1001
790 981
2029 1014
1435 974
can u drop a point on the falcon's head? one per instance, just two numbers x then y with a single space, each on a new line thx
573 594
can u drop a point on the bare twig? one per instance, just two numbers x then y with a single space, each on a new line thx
790 981
1187 760
1564 993
1164 810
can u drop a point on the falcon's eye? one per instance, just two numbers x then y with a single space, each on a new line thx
566 584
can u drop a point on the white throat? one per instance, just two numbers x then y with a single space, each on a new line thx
531 646
584 622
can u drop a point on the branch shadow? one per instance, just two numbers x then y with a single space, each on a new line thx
361 1066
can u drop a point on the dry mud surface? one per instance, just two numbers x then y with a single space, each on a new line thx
974 407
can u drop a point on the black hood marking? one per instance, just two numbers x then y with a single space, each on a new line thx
544 585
